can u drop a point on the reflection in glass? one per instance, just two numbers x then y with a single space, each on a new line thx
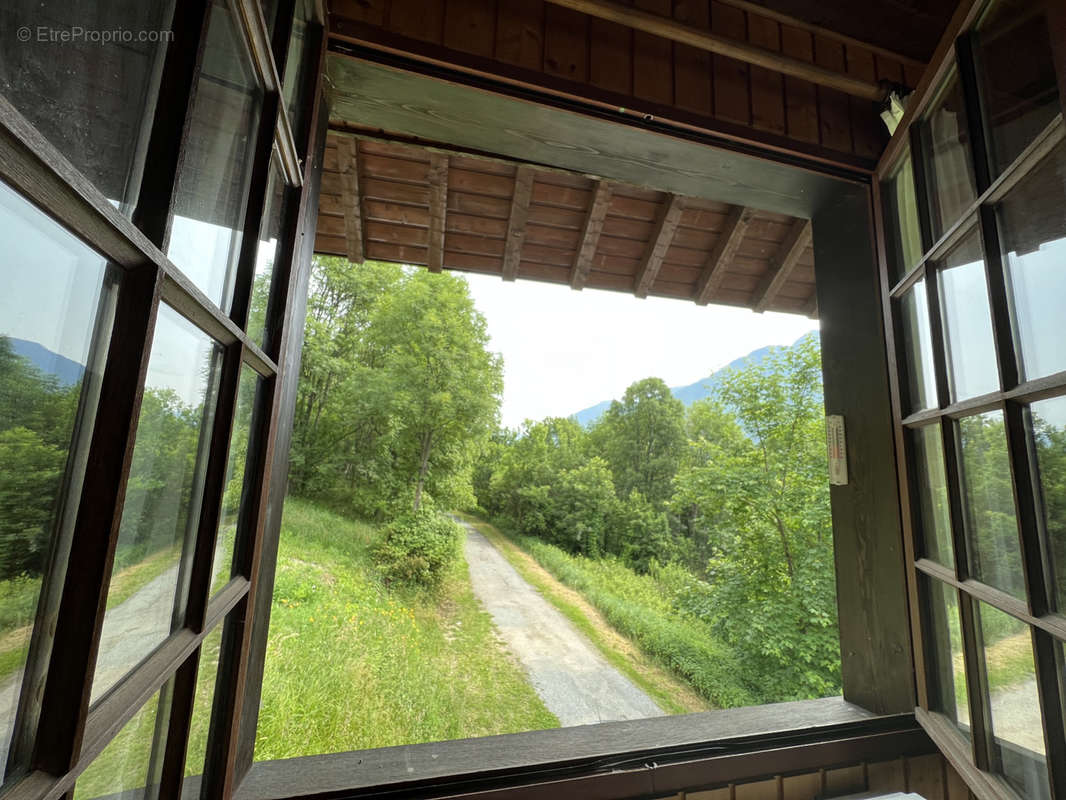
55 323
145 597
947 690
1033 236
1017 732
93 99
222 563
1049 433
946 148
206 678
932 495
902 233
1016 75
988 503
266 254
971 352
212 186
918 345
132 761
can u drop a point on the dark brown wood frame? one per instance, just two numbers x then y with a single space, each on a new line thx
66 733
972 762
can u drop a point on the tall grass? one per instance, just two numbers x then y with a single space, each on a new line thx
639 608
352 664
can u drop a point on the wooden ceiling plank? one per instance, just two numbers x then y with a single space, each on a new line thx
590 235
348 165
788 255
742 51
667 218
438 209
723 252
516 223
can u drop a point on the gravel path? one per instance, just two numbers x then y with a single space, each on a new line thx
575 682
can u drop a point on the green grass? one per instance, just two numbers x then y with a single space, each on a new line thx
669 693
638 608
352 664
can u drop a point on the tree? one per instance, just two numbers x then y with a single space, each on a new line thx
766 499
445 384
642 438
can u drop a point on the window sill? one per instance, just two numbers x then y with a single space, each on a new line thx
614 759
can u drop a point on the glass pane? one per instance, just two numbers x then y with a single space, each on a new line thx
92 98
222 567
1017 730
297 67
1016 74
948 164
932 495
971 352
918 346
901 219
1049 432
206 678
266 254
145 598
1033 236
988 503
55 324
947 686
212 187
132 761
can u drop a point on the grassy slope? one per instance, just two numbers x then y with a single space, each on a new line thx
637 609
669 692
352 665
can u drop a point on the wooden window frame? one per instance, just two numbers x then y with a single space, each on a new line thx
68 732
955 52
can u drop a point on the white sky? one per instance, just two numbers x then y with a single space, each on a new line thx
564 350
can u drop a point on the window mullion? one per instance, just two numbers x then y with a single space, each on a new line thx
163 157
65 703
253 218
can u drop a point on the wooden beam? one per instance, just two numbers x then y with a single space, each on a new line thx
438 209
590 235
799 236
666 220
348 164
811 309
516 224
819 30
722 253
712 43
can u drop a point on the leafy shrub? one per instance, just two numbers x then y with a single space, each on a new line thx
418 548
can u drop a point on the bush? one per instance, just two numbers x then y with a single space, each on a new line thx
418 548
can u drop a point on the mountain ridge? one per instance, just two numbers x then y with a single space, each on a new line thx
689 393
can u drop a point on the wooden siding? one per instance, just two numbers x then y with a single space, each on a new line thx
533 42
929 776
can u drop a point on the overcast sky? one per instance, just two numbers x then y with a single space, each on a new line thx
564 350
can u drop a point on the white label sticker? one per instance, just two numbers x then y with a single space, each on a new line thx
838 450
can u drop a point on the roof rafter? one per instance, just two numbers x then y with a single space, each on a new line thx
788 254
516 222
666 221
438 209
348 165
590 234
723 252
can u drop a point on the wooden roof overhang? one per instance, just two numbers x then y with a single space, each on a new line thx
414 204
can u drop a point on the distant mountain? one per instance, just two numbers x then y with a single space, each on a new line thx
686 394
67 372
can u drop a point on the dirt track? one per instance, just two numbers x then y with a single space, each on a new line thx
575 682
